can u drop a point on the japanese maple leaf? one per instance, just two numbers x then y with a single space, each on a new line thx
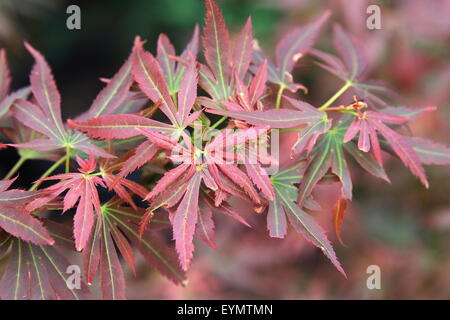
248 147
7 98
328 154
283 208
19 133
205 230
429 152
248 98
313 121
18 222
120 184
224 58
119 228
147 73
44 114
185 180
173 70
81 188
352 67
371 123
39 272
290 49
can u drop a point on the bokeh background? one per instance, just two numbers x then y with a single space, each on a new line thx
402 228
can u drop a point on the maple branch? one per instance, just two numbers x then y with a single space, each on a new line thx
48 172
215 125
279 94
341 109
347 85
16 167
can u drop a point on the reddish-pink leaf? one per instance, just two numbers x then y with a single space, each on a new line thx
81 186
430 152
258 84
117 126
168 178
38 145
143 154
352 52
185 221
404 151
112 96
21 224
191 49
147 73
366 161
216 42
410 113
44 90
123 245
309 228
241 179
243 50
276 219
339 210
296 44
205 225
314 233
369 123
165 50
154 249
38 273
91 253
16 197
260 179
5 184
112 279
188 92
275 118
227 209
5 77
84 217
31 115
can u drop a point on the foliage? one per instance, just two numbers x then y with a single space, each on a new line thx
158 112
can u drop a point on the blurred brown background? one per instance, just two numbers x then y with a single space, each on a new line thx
402 228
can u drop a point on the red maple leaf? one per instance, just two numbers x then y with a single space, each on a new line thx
15 220
371 123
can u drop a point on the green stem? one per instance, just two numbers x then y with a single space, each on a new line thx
67 159
353 113
291 129
48 172
174 99
14 169
279 94
215 125
347 85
